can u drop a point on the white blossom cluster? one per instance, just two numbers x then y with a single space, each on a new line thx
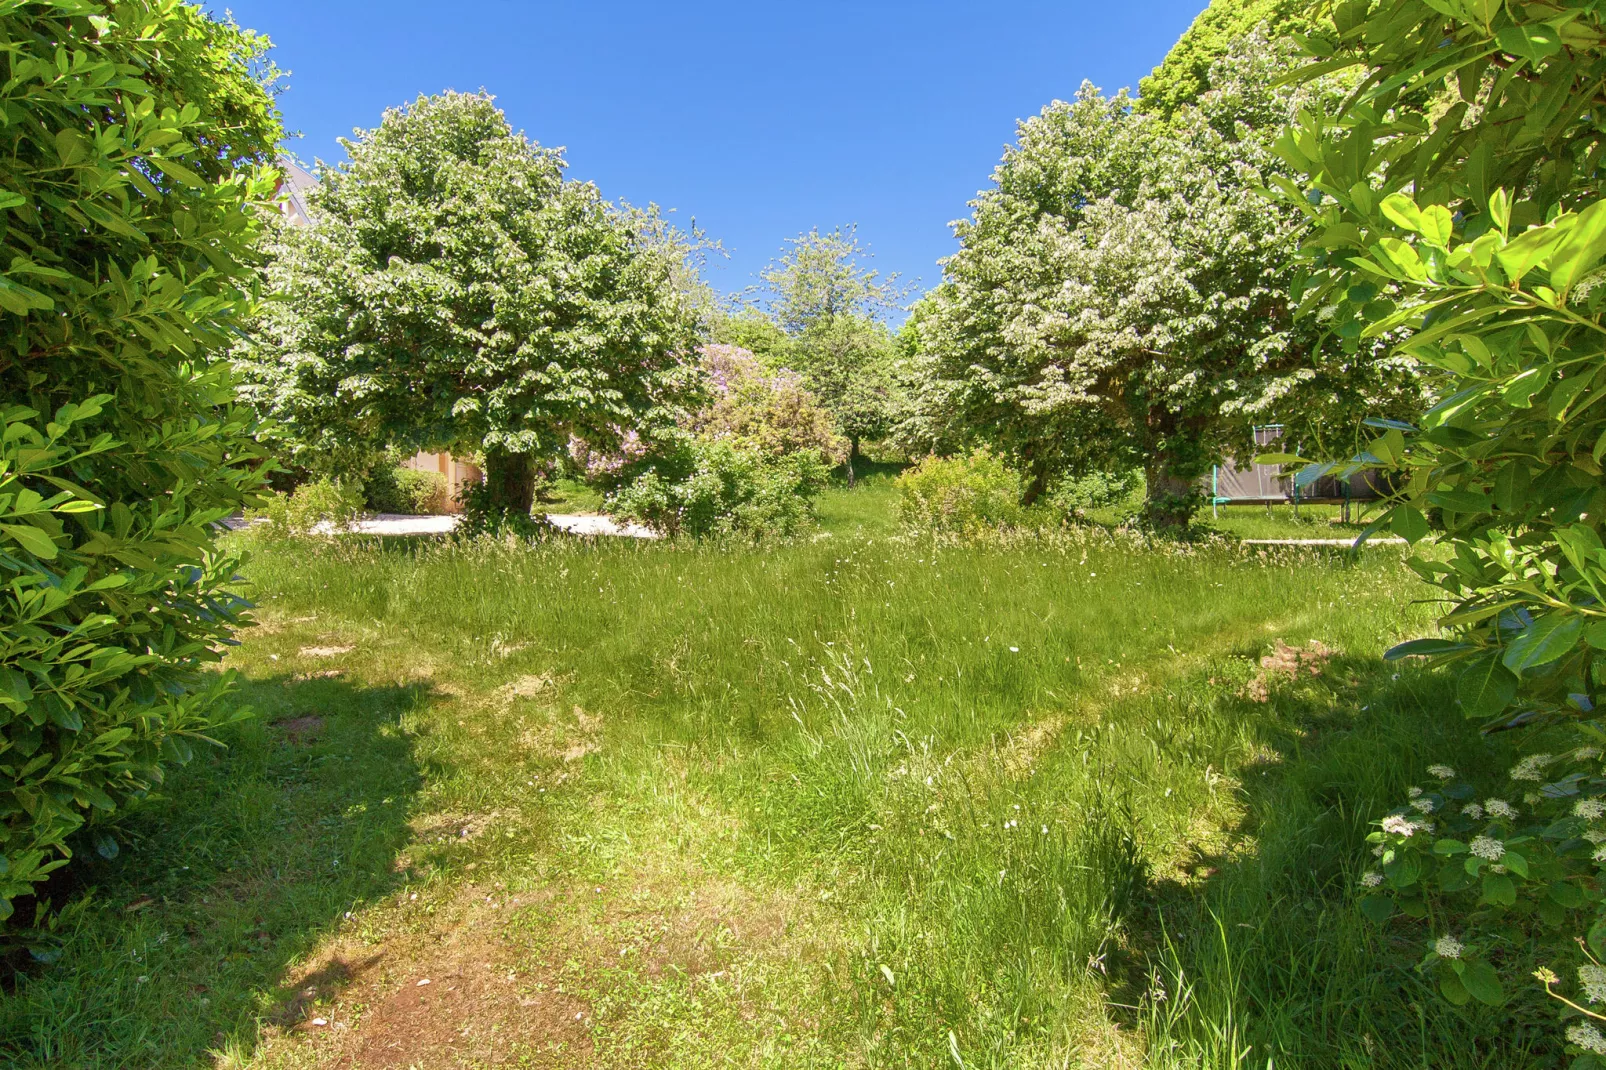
1396 825
1532 767
1448 947
1593 980
1443 772
1487 847
1586 1036
1499 808
1590 809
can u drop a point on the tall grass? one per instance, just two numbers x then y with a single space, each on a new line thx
1010 792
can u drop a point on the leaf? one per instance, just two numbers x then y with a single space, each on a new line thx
1596 938
178 173
1279 458
1453 989
1482 983
1517 863
1548 638
32 539
1532 41
1499 890
1584 244
1377 908
1402 211
1409 524
1424 648
1437 226
1519 255
1566 894
886 971
1485 688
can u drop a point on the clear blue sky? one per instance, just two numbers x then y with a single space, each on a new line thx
758 120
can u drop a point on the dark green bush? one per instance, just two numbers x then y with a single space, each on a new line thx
390 488
136 135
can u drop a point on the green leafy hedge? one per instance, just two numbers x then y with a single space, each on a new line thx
135 135
714 486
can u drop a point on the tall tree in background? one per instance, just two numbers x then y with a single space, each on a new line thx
455 292
1185 74
832 310
138 140
1120 296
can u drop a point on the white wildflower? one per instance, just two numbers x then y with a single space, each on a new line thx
1472 810
1532 767
1589 809
1487 848
1532 798
1399 826
1413 792
1497 868
1371 880
1377 852
1423 805
1593 978
1499 808
1443 772
1448 947
1600 854
1586 1036
1595 835
1586 754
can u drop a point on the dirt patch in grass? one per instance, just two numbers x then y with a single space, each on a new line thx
301 729
459 993
323 651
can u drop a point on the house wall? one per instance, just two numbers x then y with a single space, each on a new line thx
459 474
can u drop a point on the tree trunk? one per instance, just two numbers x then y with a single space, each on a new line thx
509 483
1038 485
1170 500
853 455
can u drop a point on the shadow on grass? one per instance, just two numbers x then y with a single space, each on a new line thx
253 853
1261 946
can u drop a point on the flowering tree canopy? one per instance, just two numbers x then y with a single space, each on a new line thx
455 292
1120 295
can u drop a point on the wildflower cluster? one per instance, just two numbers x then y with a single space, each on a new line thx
1506 876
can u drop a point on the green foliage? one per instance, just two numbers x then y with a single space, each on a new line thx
961 495
137 137
718 487
1185 74
1076 495
393 488
1455 211
321 505
455 293
830 308
1119 298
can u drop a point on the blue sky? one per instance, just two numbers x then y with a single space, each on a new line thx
758 120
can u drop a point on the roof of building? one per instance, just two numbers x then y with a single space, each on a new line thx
293 189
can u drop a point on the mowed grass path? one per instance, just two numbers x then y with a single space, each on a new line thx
855 800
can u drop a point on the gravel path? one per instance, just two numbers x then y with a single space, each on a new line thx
402 524
573 523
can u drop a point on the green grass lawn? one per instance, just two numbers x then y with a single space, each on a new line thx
859 799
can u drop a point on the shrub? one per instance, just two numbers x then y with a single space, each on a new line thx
717 487
1075 495
325 502
963 495
391 488
768 411
1454 203
125 190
